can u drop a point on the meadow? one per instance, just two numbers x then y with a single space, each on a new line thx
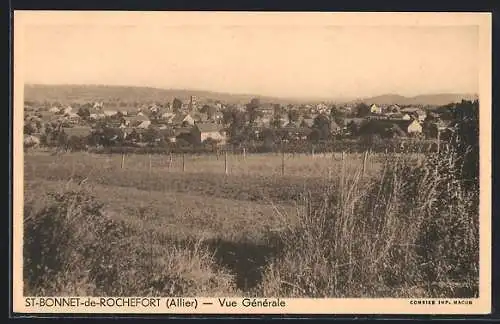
259 224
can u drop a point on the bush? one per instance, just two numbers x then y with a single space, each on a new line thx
57 236
72 247
413 231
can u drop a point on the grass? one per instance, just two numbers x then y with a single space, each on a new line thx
324 229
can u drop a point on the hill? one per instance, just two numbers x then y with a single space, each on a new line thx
85 93
135 94
429 99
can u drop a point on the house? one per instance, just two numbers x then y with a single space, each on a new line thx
154 108
109 113
181 133
374 109
263 121
67 110
321 108
200 117
266 109
167 117
417 112
133 135
98 105
396 116
183 119
376 116
393 109
139 121
409 126
204 131
73 117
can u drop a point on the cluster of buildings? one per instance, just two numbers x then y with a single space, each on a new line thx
197 122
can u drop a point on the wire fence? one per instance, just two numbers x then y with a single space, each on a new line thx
322 165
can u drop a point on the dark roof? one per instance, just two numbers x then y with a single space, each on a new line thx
403 124
168 132
178 118
200 117
209 127
77 131
413 110
182 130
136 118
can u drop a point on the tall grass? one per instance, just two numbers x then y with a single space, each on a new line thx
412 231
72 247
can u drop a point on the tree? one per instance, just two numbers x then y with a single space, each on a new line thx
83 112
30 128
211 143
293 115
269 138
466 139
314 135
76 143
210 110
176 105
334 111
353 128
362 110
153 136
252 109
322 125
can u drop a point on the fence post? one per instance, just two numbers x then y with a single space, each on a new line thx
183 162
282 162
365 158
170 160
149 156
123 160
342 173
225 162
438 140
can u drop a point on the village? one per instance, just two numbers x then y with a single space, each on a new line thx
194 123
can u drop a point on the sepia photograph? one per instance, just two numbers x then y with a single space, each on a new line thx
249 160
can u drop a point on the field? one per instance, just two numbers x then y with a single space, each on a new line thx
293 225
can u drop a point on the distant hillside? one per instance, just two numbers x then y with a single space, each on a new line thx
431 99
131 94
85 93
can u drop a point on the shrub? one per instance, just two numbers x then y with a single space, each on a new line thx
413 231
72 247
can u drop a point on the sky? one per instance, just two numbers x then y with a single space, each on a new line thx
287 59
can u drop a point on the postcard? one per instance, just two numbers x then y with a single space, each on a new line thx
251 162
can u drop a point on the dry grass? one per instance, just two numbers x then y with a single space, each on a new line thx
255 165
412 232
400 229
